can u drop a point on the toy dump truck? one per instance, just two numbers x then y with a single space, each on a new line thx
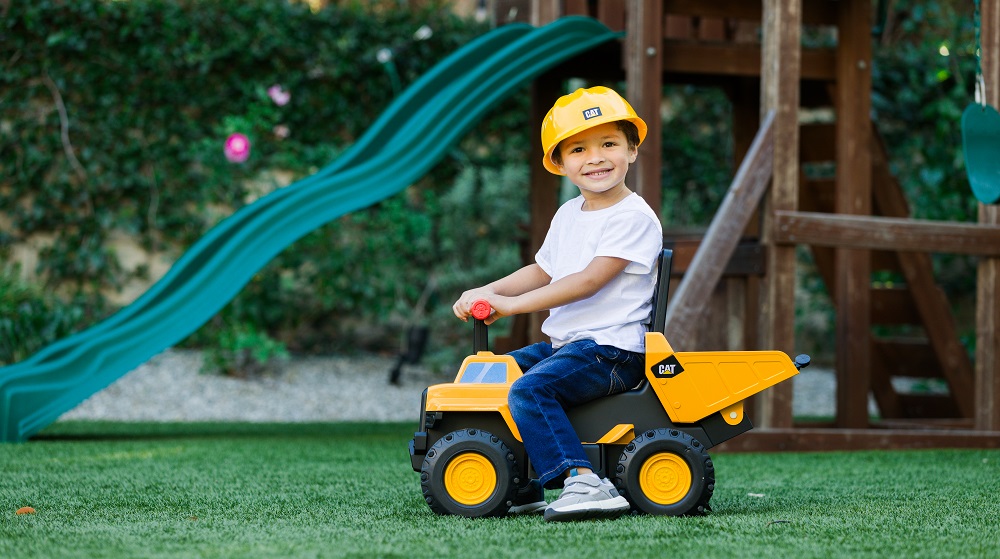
652 441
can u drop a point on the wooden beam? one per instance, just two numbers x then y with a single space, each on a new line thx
687 57
736 9
818 195
612 14
816 142
930 406
723 235
858 232
643 59
781 64
893 306
928 298
544 12
744 93
905 357
852 101
889 403
819 440
544 192
814 12
609 12
935 423
711 29
987 371
747 259
602 63
987 367
885 260
678 27
576 8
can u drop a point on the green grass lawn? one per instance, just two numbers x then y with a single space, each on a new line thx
347 490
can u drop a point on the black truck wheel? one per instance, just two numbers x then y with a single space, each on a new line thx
666 472
471 473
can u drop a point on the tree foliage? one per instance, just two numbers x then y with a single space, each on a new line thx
113 117
115 114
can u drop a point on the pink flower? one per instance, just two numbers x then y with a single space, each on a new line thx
281 131
278 95
237 148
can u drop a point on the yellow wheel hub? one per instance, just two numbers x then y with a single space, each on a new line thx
470 478
665 478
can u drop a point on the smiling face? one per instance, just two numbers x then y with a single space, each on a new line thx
597 160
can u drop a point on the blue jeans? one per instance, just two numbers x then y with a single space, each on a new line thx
556 380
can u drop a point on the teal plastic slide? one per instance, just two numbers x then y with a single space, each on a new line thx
409 138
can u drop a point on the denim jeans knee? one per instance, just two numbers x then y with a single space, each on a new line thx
556 380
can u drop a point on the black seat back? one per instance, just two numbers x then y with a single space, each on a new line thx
659 321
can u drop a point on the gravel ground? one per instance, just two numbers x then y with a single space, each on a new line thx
170 387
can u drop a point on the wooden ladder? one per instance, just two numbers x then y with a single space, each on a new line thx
934 349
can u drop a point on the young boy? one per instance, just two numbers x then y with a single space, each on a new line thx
596 272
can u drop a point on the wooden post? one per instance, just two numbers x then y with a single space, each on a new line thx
780 74
545 11
644 83
544 194
745 96
853 196
543 197
987 375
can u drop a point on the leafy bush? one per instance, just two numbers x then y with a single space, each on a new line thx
922 79
148 91
30 318
121 110
242 350
697 154
114 115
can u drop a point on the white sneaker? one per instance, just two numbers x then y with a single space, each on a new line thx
587 496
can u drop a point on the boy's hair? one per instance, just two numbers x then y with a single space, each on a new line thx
630 130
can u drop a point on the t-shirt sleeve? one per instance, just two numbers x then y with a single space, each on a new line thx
633 236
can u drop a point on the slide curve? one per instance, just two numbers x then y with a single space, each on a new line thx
403 144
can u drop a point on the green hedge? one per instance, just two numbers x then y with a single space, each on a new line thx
147 90
115 114
150 90
923 78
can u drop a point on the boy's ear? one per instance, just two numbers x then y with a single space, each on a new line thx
633 153
558 163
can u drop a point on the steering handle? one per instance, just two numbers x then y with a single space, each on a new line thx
481 309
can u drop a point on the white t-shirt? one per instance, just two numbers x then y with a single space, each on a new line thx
616 314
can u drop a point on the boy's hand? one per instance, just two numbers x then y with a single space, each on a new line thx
463 306
528 278
501 305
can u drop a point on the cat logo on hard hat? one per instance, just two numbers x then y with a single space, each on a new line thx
591 113
668 368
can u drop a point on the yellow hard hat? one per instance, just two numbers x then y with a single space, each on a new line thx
580 110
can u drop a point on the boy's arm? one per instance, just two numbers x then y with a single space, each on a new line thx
571 288
526 279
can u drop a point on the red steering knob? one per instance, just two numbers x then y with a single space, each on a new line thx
481 309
